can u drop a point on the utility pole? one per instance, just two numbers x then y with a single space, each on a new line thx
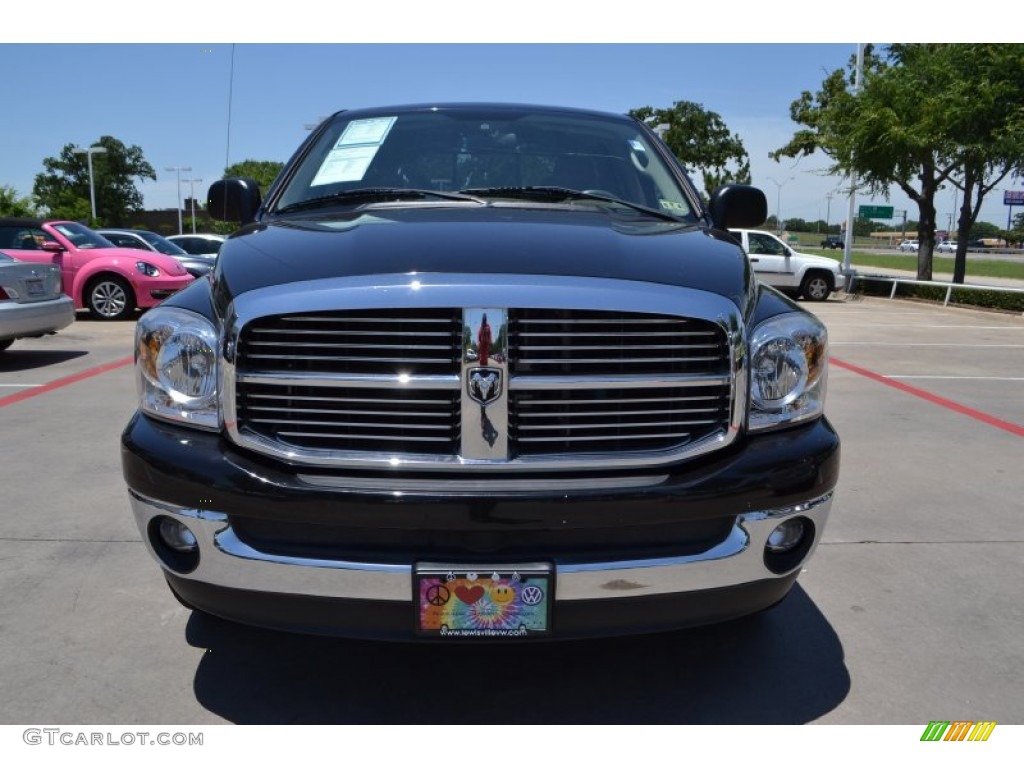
828 212
178 170
96 149
848 240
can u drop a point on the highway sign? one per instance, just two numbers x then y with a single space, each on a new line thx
875 212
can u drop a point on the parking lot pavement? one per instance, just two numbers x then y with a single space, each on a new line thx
910 610
919 573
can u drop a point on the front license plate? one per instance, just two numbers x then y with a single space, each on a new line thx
486 602
35 287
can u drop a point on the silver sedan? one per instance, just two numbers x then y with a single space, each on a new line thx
31 302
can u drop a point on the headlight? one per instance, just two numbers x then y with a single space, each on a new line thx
176 366
147 269
788 369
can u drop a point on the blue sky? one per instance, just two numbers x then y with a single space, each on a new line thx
171 99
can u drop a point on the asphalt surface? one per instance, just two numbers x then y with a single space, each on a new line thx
910 610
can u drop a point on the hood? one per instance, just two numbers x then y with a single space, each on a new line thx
495 239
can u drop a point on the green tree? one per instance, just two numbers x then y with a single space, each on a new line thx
63 188
12 205
895 130
927 115
987 121
701 140
263 172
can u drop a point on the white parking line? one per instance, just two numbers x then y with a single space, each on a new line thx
22 385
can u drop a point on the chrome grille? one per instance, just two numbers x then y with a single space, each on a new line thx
392 387
363 341
566 342
599 420
351 418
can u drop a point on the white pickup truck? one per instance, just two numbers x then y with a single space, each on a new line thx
778 265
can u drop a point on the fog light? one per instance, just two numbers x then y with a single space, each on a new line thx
786 536
177 536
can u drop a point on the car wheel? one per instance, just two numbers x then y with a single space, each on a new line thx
109 297
5 344
815 287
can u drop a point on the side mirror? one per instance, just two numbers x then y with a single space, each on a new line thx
52 247
234 200
738 206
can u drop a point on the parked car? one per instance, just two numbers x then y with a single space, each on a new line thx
833 242
201 244
108 281
909 245
197 266
946 247
31 302
778 265
489 372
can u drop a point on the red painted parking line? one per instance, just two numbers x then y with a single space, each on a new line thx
87 374
992 421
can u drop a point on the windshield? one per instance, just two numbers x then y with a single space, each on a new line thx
161 244
81 236
486 152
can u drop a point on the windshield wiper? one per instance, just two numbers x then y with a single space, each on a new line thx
555 194
376 195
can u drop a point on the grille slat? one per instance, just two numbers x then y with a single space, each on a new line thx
374 438
617 425
658 412
603 438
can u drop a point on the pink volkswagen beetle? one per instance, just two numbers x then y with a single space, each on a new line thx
108 281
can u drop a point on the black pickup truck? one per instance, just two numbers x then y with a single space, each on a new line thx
485 372
832 242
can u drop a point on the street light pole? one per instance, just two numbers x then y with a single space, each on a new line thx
778 201
178 170
89 152
192 197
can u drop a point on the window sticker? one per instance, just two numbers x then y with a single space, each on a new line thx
354 151
672 205
370 131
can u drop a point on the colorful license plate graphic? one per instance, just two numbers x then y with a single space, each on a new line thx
483 602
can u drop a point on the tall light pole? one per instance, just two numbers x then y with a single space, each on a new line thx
778 200
848 241
828 212
192 197
89 152
178 170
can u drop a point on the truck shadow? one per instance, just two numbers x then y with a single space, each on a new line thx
15 359
782 667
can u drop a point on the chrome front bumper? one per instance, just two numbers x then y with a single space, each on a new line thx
225 561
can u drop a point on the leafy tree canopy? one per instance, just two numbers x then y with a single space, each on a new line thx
926 115
63 187
701 140
12 205
263 172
